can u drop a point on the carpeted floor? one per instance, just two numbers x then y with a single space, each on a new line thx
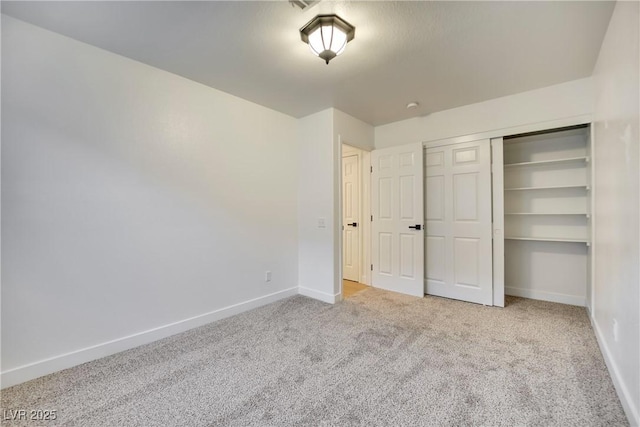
378 358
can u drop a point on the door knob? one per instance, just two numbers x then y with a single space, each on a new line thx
353 224
416 227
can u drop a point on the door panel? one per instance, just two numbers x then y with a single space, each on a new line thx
397 204
435 267
434 189
350 216
385 198
458 246
406 197
407 255
466 262
465 191
386 253
348 247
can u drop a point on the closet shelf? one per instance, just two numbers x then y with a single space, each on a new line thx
548 162
555 187
548 239
549 213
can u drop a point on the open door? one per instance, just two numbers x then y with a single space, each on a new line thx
397 240
351 218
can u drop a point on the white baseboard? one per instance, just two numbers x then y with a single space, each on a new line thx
322 296
545 296
628 404
57 363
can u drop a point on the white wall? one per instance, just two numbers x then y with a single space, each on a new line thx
320 138
132 199
318 252
547 271
352 131
548 104
617 205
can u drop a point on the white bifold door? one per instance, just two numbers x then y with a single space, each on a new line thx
397 241
458 246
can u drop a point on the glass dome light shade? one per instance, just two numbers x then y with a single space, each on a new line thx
327 35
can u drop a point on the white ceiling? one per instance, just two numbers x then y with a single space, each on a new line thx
441 54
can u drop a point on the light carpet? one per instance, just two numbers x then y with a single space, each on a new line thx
378 358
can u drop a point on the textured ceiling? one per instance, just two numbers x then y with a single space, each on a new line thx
441 54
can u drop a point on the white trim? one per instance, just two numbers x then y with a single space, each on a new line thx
338 277
630 409
515 130
77 357
497 214
349 150
545 296
321 296
338 226
365 213
592 209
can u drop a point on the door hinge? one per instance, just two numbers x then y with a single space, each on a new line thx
371 267
371 217
371 169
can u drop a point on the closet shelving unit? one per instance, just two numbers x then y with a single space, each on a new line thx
546 186
547 217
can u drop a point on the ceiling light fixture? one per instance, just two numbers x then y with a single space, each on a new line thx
327 35
413 104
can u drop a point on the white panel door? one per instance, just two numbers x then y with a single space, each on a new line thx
458 248
397 242
350 218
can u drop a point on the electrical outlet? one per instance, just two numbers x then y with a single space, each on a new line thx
267 276
322 223
615 330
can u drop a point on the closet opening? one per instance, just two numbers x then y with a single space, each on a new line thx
547 215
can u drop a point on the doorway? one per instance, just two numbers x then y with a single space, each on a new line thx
351 221
355 184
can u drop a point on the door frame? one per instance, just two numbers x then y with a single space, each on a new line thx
497 219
